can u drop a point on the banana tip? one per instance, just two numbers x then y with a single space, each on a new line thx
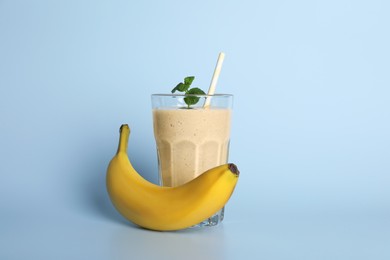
124 127
233 168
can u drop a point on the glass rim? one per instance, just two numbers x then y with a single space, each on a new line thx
196 95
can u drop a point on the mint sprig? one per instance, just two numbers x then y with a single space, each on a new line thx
189 92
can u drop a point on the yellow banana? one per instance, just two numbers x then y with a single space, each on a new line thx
166 208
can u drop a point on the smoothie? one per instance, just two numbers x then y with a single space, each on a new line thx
190 141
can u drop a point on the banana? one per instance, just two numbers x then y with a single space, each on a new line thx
166 208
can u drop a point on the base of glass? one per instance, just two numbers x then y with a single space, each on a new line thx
212 221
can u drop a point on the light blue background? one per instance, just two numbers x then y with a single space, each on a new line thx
310 131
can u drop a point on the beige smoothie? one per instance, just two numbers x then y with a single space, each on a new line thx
190 141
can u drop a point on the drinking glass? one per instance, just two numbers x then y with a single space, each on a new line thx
191 139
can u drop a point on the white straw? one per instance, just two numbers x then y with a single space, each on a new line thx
214 80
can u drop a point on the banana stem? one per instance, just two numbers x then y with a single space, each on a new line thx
124 133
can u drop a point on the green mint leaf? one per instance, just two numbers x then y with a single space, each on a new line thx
180 87
192 100
185 87
188 80
196 91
